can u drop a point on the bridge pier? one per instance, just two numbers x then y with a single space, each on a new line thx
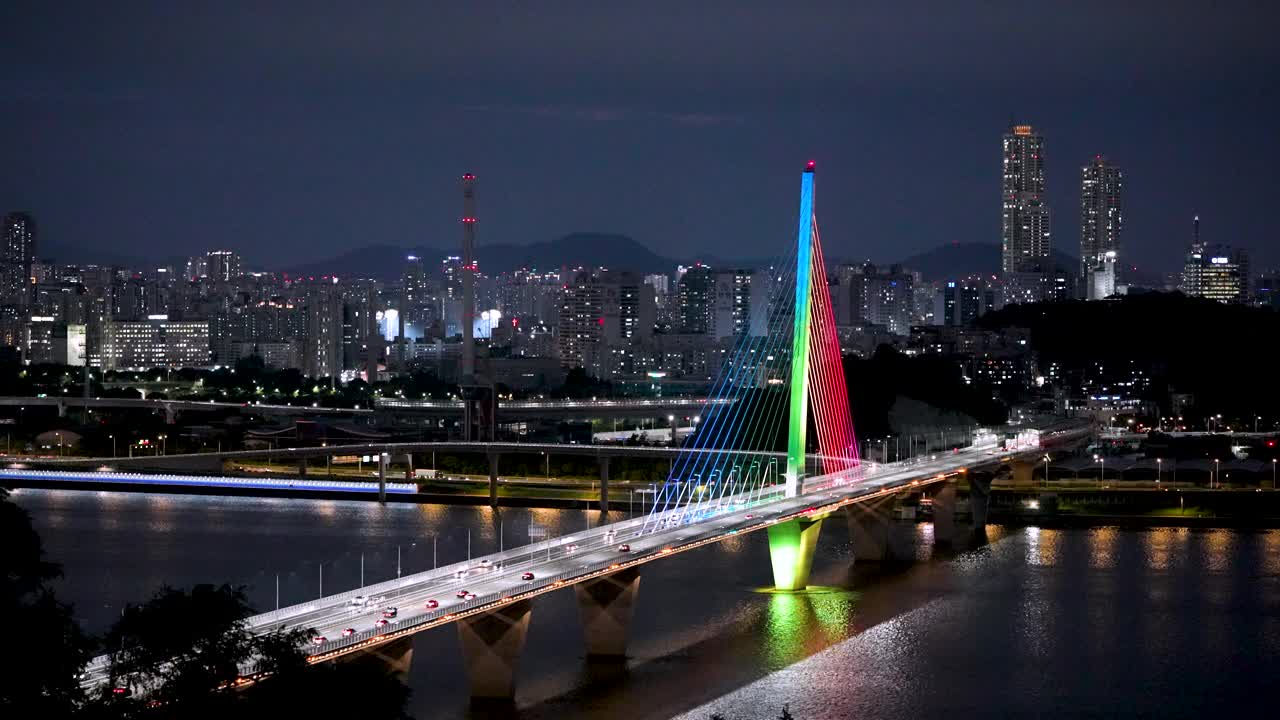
491 647
382 477
979 500
493 479
1023 473
944 513
606 605
791 546
604 484
869 528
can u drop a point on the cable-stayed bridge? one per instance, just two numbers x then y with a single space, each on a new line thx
777 386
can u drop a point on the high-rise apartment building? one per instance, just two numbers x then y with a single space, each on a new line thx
1101 212
694 296
1024 217
17 252
218 265
322 344
580 327
731 303
881 296
599 310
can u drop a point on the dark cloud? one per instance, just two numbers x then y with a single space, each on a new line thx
283 128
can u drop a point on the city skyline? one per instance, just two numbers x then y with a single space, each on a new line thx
156 159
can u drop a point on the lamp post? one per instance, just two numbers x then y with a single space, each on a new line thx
113 445
1102 472
1273 473
1159 469
1213 481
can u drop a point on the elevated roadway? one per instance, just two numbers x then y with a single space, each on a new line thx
488 597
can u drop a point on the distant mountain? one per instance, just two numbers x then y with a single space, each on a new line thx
71 255
961 259
608 250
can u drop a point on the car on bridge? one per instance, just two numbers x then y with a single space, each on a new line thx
381 624
461 593
319 640
433 604
526 576
390 612
348 632
624 548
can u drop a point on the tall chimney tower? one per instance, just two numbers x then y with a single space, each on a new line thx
468 279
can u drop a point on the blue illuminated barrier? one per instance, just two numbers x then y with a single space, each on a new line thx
63 476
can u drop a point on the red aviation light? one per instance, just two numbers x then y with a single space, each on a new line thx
810 165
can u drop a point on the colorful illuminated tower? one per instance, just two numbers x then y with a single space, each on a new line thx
798 424
817 367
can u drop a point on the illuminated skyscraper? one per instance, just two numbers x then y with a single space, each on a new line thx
17 251
695 295
1215 271
1101 212
1024 215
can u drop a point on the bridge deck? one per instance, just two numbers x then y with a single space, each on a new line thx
496 579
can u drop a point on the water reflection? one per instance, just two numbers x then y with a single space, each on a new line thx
1160 622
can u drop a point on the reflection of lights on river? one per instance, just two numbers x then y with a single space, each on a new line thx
786 628
793 617
1102 544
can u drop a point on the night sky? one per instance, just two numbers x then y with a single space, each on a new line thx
295 130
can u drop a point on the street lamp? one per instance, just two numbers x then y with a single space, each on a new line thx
1213 481
1273 473
1102 464
1046 471
113 445
1159 469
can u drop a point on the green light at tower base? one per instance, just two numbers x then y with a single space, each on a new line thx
791 546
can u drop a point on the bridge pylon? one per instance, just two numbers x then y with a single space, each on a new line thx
817 368
791 547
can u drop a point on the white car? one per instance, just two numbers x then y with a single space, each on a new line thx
358 601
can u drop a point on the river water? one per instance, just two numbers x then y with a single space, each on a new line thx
1057 623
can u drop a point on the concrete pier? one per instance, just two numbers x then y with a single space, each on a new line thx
606 606
791 546
491 647
944 513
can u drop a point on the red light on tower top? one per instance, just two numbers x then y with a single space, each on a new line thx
468 176
809 166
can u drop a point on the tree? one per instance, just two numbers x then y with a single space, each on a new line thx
54 649
180 654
